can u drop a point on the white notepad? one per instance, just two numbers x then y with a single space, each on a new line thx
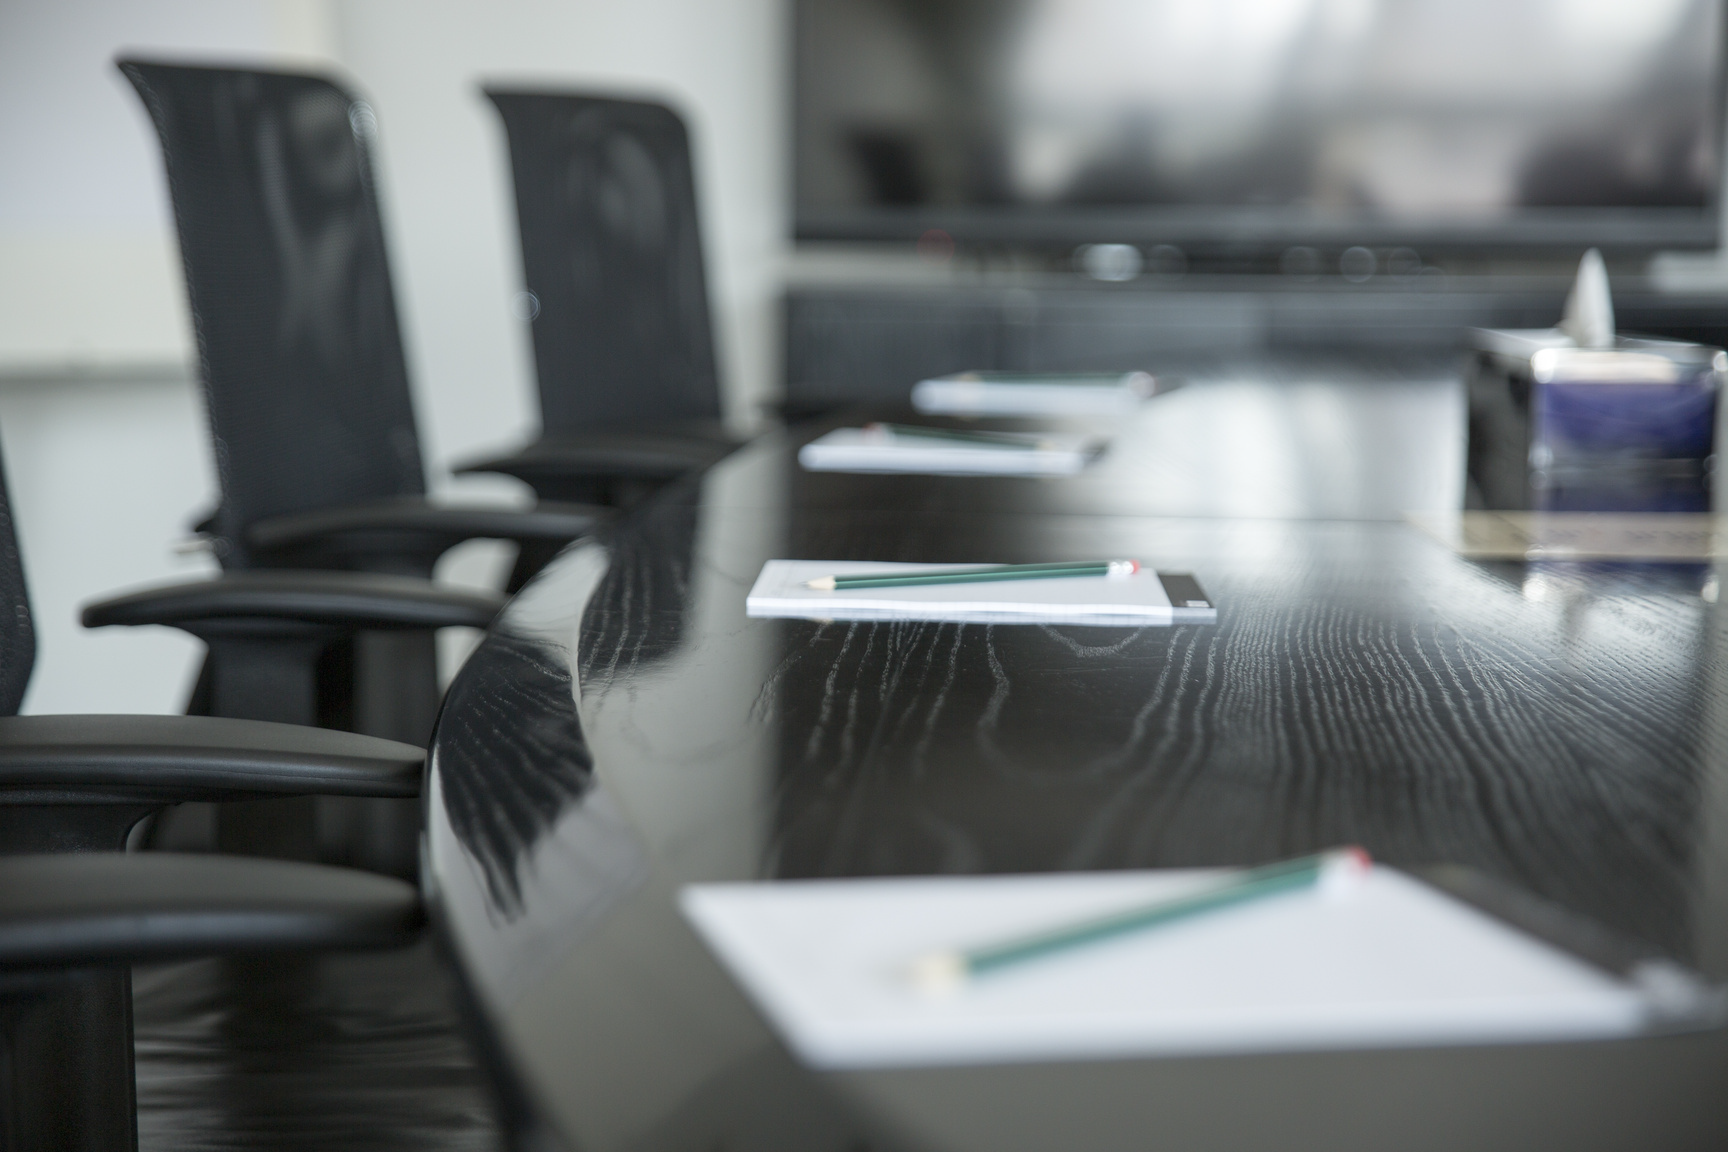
872 450
1395 963
1034 394
1137 600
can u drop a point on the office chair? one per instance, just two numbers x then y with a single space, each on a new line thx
304 377
265 633
75 785
71 925
305 383
612 257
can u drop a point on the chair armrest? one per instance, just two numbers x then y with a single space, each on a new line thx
199 758
340 599
410 525
114 907
625 455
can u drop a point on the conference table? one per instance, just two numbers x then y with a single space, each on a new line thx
625 730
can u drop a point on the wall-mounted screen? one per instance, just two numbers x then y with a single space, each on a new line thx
1237 123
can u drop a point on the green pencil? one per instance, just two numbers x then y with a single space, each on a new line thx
976 575
950 968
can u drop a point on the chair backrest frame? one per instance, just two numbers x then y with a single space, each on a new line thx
612 254
281 240
17 628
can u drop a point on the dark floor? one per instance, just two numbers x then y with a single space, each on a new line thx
353 1052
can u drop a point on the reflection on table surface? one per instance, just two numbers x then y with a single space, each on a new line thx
1307 439
626 730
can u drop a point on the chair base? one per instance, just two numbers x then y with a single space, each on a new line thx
393 685
66 1079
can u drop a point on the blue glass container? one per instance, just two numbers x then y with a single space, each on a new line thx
1625 428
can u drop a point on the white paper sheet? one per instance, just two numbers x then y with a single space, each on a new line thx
865 450
1396 963
1134 601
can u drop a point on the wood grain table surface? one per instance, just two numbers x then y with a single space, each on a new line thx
625 730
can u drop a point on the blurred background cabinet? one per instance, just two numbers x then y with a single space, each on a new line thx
847 343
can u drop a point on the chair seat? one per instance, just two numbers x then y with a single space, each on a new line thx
95 908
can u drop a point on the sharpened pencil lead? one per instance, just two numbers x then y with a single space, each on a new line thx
937 972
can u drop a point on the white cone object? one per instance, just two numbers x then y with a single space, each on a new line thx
1589 318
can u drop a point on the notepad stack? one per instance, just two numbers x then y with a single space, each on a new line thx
1393 962
784 589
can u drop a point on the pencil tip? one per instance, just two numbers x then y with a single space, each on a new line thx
821 583
937 972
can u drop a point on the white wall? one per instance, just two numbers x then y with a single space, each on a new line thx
104 440
104 476
89 275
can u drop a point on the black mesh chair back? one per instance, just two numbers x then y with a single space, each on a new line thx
612 252
285 266
17 632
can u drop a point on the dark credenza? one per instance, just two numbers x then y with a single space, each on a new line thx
846 344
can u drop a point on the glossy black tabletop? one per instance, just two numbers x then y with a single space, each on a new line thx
625 730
